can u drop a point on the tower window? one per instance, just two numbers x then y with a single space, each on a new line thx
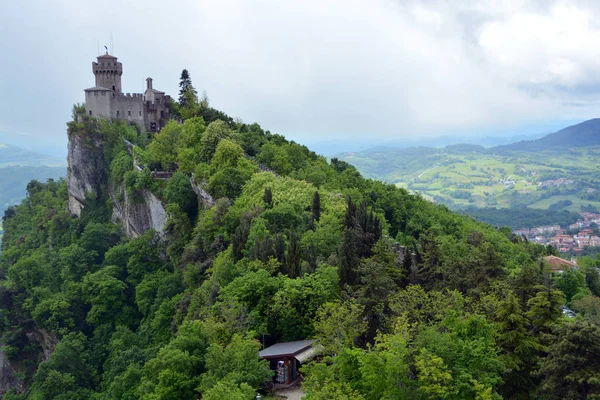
117 113
140 113
129 113
90 112
114 87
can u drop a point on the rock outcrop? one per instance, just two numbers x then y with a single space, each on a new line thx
203 196
139 215
8 378
87 172
88 178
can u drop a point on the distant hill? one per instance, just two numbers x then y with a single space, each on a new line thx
18 167
11 156
585 134
556 172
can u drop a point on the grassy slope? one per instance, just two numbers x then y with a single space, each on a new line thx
436 173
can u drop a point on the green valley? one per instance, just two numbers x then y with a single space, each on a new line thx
466 176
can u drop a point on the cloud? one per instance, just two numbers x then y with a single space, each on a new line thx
317 68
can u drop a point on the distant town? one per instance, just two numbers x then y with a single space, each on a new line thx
574 238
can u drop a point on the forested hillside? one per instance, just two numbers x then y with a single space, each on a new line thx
408 299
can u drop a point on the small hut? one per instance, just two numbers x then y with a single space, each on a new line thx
285 359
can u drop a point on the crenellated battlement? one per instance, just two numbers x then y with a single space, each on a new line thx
129 95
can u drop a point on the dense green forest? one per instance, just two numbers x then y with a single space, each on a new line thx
293 247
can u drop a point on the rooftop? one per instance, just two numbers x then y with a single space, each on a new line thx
286 349
558 264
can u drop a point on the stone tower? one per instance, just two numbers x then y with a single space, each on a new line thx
150 110
108 72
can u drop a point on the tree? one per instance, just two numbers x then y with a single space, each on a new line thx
519 350
67 374
268 198
293 255
316 206
339 325
215 132
237 363
572 368
185 86
433 375
179 191
544 309
572 283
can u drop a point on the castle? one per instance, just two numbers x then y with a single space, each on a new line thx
150 110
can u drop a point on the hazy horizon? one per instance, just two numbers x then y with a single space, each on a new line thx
317 71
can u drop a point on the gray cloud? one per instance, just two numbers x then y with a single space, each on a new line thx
314 68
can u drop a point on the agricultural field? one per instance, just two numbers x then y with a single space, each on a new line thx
472 176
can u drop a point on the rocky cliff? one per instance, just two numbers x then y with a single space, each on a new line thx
8 379
88 179
140 215
87 171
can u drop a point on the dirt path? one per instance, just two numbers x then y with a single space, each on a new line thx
294 393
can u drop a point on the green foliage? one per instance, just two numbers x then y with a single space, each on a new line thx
572 283
572 368
179 191
280 254
339 325
237 364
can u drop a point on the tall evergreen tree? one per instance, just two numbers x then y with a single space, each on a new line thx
519 350
572 368
268 198
428 271
279 248
316 206
406 268
544 309
349 259
240 236
185 85
293 255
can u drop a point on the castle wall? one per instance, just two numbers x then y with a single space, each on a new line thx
157 113
128 107
99 103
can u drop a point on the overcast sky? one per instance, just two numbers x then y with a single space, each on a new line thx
314 69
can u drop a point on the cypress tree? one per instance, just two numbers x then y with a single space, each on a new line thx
316 206
293 255
349 260
268 198
311 256
280 248
239 238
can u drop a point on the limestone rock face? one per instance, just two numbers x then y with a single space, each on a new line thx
87 172
8 379
203 196
88 176
139 215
